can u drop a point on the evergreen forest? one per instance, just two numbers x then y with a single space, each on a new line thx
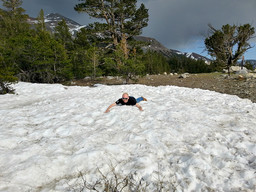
32 53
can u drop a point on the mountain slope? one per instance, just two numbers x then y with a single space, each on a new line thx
154 45
52 20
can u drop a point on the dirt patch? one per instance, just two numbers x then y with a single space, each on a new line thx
242 87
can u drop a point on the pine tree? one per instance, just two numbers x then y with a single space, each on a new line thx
12 5
63 35
155 63
14 28
221 43
123 20
78 55
6 74
93 61
40 26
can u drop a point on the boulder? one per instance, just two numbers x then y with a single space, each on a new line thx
184 76
235 69
110 77
242 71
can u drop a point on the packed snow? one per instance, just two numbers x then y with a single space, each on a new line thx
54 137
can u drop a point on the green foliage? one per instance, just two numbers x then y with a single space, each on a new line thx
85 56
221 43
93 57
12 5
131 67
183 64
155 63
13 23
122 20
120 16
46 60
63 35
6 75
117 64
248 65
107 48
40 26
79 64
82 40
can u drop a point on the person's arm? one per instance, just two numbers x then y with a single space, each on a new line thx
110 106
140 108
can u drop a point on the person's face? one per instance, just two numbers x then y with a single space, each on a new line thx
125 98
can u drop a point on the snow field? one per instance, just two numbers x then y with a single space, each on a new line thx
188 138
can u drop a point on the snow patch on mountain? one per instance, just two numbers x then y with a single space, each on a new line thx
53 19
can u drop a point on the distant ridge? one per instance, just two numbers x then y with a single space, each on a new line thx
154 45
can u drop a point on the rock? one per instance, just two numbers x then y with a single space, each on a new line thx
225 71
87 78
242 71
184 76
251 75
241 77
110 77
235 68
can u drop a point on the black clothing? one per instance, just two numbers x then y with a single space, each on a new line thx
131 101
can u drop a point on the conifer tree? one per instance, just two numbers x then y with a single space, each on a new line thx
222 42
46 59
14 29
122 19
6 74
40 26
12 5
63 35
93 56
78 55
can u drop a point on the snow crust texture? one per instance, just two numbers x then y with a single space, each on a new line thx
189 139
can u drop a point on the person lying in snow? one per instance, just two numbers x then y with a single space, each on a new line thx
127 100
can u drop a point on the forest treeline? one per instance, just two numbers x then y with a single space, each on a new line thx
31 53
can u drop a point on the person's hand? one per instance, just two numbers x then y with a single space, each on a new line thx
107 111
140 108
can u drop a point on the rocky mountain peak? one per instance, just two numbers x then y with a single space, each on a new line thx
52 20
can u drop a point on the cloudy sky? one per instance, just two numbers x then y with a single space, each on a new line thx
177 24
